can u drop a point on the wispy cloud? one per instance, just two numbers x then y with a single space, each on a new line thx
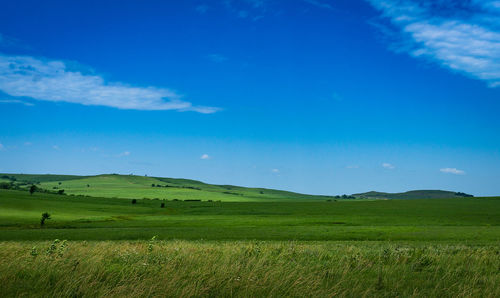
1 147
452 171
16 101
205 156
276 171
125 153
462 37
217 58
352 167
247 9
202 8
55 147
53 80
388 166
320 4
28 143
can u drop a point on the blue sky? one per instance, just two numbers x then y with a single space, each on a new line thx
323 97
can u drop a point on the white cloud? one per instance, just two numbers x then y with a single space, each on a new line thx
16 101
388 166
28 143
55 147
464 39
52 80
275 170
1 146
205 156
125 153
452 171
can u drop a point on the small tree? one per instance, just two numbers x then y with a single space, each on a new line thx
60 192
134 201
162 205
32 189
45 216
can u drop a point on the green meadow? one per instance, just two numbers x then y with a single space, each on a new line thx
93 218
122 236
131 186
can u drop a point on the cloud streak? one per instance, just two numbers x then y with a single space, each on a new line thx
464 38
452 171
217 58
16 101
388 166
319 4
53 80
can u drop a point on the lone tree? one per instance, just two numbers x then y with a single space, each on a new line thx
162 205
32 189
45 216
134 201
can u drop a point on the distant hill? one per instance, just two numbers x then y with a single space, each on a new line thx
138 187
414 194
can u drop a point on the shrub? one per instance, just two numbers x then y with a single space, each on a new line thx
45 216
5 185
162 205
134 201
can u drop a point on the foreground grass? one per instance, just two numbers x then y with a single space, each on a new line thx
183 268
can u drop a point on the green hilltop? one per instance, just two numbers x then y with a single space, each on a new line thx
414 194
139 187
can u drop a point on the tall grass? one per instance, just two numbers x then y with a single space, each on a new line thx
196 268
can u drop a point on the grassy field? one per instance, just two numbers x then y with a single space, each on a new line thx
88 218
255 246
247 269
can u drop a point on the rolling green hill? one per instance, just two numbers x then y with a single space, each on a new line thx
138 187
414 194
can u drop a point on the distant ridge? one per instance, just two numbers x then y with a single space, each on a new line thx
414 194
133 186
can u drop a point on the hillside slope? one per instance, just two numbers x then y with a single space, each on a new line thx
138 187
414 194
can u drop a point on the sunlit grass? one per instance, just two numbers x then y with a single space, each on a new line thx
187 269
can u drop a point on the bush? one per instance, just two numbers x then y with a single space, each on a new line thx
45 216
134 201
5 185
33 188
162 205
